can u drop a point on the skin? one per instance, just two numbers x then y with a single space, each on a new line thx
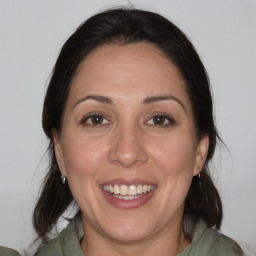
129 144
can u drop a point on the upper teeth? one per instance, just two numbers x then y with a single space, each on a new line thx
131 190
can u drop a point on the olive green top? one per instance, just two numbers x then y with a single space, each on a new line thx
205 242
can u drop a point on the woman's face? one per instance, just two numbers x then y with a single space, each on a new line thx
128 145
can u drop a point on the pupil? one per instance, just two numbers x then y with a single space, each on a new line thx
97 119
158 120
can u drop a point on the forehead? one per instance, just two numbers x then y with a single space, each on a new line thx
130 70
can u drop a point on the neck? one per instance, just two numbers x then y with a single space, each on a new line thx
169 243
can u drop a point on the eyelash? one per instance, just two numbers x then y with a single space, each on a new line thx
168 118
170 121
85 119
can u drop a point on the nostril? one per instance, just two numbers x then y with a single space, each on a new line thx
128 154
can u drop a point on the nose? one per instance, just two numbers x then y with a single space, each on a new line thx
128 149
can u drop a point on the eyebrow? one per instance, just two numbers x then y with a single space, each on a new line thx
102 99
150 100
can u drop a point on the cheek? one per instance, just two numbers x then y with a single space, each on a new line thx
173 158
82 157
82 160
175 154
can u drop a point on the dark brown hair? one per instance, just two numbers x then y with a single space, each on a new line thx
126 26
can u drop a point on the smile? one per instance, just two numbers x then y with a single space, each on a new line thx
125 192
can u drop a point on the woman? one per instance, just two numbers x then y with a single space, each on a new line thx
128 113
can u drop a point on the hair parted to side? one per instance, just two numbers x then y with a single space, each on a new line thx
126 26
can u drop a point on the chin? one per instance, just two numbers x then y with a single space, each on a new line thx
128 236
129 231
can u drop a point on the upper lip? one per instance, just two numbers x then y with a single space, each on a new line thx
127 182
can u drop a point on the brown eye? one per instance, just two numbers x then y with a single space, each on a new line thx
160 120
95 120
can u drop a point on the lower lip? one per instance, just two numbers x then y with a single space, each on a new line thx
128 204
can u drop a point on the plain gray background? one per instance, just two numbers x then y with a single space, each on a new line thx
31 35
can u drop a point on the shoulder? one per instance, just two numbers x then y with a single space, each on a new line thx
67 242
53 247
219 244
210 242
4 251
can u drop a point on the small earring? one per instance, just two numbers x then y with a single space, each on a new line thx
63 178
199 178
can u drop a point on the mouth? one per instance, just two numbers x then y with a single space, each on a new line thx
124 192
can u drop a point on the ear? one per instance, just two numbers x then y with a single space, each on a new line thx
201 154
58 151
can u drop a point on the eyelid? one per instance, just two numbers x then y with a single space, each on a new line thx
160 114
83 120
